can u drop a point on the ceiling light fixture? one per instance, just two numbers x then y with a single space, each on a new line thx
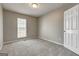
34 5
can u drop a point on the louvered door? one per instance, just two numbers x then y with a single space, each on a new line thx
71 29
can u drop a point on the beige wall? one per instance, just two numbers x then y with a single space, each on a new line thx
10 29
51 25
1 27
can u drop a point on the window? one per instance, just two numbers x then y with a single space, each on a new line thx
21 28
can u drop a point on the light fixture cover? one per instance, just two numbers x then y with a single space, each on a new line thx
34 5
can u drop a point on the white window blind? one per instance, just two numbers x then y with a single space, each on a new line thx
21 28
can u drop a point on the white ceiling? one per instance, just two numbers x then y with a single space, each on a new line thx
24 8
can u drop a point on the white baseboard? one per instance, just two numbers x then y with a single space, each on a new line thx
73 50
10 41
17 40
53 42
43 39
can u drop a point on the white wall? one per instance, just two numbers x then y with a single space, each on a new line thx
51 25
1 27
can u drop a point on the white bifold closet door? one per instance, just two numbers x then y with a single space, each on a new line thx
71 29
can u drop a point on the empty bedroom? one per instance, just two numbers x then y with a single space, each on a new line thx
39 29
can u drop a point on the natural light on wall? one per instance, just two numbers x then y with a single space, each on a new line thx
21 28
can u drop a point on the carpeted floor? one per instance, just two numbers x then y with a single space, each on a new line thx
36 47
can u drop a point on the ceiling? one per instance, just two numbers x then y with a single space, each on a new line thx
24 8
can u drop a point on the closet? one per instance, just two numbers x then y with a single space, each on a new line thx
71 29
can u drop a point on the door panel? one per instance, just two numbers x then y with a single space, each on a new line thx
71 28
